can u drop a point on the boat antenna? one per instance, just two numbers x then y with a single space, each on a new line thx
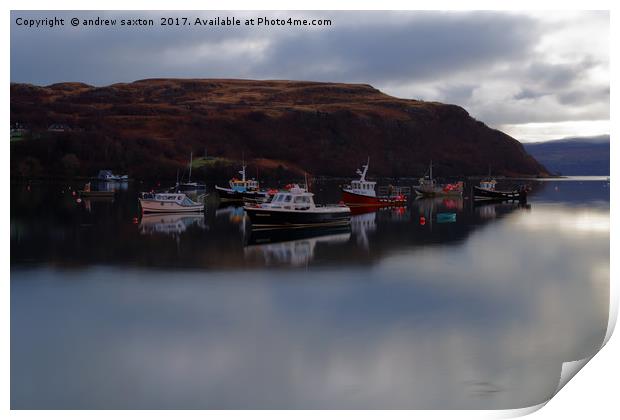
362 173
431 170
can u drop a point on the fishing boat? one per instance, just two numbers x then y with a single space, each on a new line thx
169 203
189 185
242 189
295 208
361 192
487 191
428 187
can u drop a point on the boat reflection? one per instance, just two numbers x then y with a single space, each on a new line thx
171 224
292 247
489 211
432 205
362 224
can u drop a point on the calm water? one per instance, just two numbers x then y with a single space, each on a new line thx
442 304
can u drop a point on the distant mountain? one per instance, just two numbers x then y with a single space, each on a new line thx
149 127
573 156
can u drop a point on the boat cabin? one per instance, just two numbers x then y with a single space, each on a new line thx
488 184
362 186
295 198
240 185
243 184
181 199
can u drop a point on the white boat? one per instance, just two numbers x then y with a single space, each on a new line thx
295 208
169 203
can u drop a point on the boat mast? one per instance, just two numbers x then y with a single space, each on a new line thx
242 171
189 178
431 171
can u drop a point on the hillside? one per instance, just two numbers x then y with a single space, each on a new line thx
148 128
573 156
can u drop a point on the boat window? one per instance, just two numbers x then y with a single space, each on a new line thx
287 199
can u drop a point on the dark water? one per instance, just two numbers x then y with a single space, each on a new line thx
442 304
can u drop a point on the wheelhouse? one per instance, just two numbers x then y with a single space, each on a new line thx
240 185
362 186
296 198
488 184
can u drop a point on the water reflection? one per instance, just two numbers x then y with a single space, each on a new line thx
479 313
170 224
281 247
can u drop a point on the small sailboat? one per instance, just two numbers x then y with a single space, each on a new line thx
428 187
169 203
295 208
362 192
189 185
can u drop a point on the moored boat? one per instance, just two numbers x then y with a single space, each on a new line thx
487 191
361 192
190 186
242 189
168 203
295 208
428 187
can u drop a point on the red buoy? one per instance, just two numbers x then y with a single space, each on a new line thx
422 220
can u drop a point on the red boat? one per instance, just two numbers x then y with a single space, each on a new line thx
362 193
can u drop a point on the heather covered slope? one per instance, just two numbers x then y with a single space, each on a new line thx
149 127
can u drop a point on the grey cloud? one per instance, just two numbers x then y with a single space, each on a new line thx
447 56
458 94
360 46
527 93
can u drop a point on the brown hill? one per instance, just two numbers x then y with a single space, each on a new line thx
148 128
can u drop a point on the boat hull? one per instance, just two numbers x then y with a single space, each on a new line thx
487 194
227 194
97 194
155 206
359 200
281 218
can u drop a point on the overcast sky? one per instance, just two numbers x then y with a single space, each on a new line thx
537 76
